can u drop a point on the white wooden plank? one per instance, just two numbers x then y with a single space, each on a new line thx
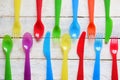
38 69
6 25
7 8
37 50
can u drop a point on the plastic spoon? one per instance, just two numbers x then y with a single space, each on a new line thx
38 27
7 46
65 46
27 43
17 25
56 30
74 30
109 22
91 27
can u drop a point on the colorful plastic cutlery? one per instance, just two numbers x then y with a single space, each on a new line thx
46 50
114 50
7 45
65 46
27 43
38 27
109 22
56 30
80 52
74 30
17 25
91 30
97 48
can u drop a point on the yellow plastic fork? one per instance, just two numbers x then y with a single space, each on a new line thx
16 25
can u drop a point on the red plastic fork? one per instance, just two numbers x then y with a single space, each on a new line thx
114 50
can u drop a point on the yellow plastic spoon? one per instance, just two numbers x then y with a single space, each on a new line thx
16 26
65 46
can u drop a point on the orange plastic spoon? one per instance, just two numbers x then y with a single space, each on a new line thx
91 27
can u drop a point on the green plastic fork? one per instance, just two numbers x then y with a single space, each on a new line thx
56 31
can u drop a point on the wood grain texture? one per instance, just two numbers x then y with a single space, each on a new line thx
38 62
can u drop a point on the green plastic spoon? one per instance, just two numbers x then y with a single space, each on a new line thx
7 45
56 30
109 22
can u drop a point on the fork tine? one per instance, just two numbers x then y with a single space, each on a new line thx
114 43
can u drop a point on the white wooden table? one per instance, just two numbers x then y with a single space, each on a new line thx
38 62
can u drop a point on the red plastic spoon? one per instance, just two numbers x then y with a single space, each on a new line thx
38 27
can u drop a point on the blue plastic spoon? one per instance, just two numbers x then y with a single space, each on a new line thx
74 30
46 50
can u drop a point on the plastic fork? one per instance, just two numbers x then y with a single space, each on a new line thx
97 46
74 30
114 50
16 25
91 27
56 30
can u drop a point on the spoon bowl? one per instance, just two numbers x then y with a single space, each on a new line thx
38 30
27 41
7 44
74 30
65 42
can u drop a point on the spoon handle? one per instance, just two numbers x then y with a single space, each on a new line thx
75 8
17 4
49 70
27 72
65 70
91 10
57 11
107 8
8 75
96 74
114 69
80 75
39 8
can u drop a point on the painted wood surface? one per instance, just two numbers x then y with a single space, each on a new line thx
38 62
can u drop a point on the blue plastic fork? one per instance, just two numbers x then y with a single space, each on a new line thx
97 46
46 50
74 30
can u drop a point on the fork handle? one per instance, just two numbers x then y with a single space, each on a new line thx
80 75
39 8
17 4
96 73
49 70
114 68
91 10
75 8
107 8
57 11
